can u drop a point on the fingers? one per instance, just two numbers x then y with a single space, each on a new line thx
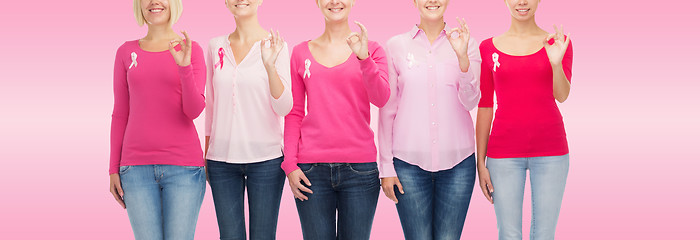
362 27
118 193
389 192
568 39
350 37
398 185
546 39
485 190
297 193
307 182
188 40
171 48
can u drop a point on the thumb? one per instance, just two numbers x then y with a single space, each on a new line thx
171 49
398 184
306 180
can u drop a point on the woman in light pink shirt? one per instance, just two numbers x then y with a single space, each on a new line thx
328 143
248 93
426 134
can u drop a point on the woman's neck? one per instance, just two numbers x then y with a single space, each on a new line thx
336 32
433 28
523 28
248 29
160 32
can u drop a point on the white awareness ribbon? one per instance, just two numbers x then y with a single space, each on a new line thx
410 60
307 65
133 60
496 64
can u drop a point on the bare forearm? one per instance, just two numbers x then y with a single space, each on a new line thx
483 129
276 86
561 83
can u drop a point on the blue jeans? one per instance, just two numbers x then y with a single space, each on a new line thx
547 179
264 182
350 188
434 204
163 201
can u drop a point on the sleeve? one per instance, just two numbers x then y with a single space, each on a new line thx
120 113
568 60
486 82
468 84
292 122
283 104
192 81
375 76
209 92
387 114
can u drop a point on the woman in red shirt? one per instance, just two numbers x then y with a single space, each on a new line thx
529 69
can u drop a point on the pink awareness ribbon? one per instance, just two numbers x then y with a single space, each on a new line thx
221 59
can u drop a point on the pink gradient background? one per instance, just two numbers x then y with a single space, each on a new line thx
629 118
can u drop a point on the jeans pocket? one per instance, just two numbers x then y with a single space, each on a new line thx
124 169
306 167
364 168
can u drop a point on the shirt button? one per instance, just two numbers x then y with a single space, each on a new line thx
430 66
430 52
434 141
434 123
432 104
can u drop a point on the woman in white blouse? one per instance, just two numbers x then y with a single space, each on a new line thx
247 93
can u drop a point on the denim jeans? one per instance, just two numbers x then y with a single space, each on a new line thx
547 179
264 182
351 189
163 201
434 204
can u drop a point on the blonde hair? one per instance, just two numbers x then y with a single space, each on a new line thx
175 12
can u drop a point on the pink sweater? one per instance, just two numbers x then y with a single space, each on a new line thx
155 101
335 129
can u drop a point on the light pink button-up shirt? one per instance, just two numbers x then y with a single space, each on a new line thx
426 121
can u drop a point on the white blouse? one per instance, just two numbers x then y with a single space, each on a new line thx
242 119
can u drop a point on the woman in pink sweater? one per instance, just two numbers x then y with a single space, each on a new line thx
156 165
330 157
528 69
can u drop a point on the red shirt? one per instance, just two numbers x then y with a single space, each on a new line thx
527 122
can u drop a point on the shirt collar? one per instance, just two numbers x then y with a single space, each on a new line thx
415 31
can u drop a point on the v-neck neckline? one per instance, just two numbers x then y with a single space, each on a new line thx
233 55
314 58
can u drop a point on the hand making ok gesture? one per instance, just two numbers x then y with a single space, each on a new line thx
183 57
556 51
358 42
460 43
271 47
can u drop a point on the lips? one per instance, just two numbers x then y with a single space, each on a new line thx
336 10
522 11
241 5
156 10
431 8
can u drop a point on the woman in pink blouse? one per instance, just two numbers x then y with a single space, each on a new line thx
426 134
529 69
156 166
330 157
248 93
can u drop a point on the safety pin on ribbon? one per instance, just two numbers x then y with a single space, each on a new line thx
220 64
133 60
410 60
307 65
496 64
